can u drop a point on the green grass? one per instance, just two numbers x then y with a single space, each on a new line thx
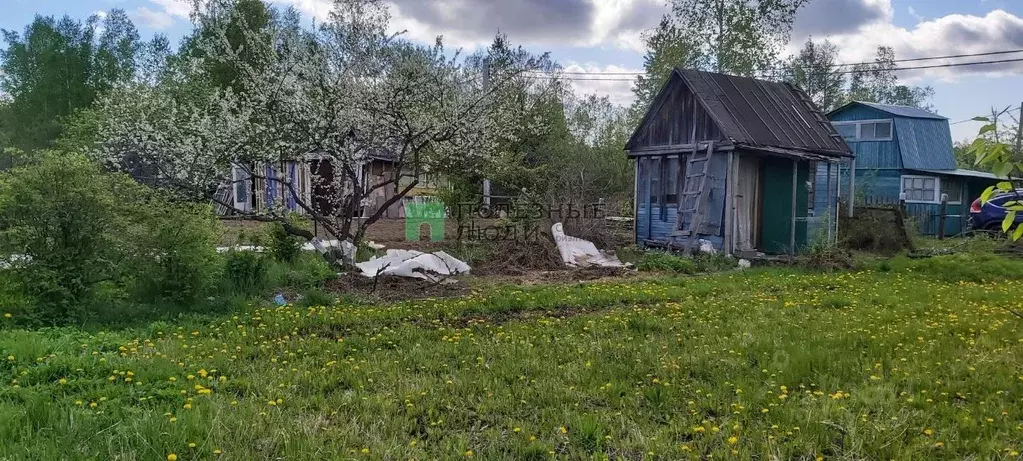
891 363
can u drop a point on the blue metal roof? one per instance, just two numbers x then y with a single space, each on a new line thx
965 173
901 111
925 144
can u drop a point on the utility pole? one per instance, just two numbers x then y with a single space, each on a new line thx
486 88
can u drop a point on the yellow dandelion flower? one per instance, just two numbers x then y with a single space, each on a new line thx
733 440
172 457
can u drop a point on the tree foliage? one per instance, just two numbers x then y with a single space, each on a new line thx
76 238
58 66
343 92
739 37
877 82
813 70
998 147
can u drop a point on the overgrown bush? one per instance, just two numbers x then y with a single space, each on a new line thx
61 225
174 257
281 245
826 257
79 240
696 264
244 271
874 230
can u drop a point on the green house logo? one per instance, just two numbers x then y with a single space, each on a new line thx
430 214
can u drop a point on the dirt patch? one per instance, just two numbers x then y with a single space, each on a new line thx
388 288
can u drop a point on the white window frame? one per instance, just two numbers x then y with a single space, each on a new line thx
240 178
859 126
937 187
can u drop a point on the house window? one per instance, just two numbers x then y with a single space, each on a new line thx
920 188
847 130
654 170
240 182
865 130
671 182
953 189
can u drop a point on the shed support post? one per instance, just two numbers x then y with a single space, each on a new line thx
727 246
635 201
942 213
852 185
792 230
827 199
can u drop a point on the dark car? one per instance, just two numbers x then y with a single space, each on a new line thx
989 216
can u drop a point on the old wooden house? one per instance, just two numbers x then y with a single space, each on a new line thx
744 165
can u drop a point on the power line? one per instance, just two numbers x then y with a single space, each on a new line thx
852 71
927 58
1014 109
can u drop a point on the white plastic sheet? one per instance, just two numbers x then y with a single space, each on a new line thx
576 252
416 264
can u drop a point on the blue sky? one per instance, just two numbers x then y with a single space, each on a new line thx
604 35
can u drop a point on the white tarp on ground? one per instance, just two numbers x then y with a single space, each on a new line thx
317 244
416 264
577 252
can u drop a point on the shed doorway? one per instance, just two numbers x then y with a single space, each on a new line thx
747 203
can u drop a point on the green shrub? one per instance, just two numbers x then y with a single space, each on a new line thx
244 271
308 270
666 262
66 220
174 252
315 297
84 243
281 245
696 264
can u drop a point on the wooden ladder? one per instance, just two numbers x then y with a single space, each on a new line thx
693 202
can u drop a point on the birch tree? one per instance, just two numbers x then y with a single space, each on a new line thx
813 70
342 92
739 37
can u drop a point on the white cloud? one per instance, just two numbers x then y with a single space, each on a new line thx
948 35
157 20
161 14
591 78
177 8
915 15
542 23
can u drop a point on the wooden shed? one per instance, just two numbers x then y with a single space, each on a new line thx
745 165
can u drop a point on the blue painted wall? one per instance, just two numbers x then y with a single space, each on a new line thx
649 224
871 154
651 228
923 143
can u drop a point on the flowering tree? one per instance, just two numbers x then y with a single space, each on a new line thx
344 92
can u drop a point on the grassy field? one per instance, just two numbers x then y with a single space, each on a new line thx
909 360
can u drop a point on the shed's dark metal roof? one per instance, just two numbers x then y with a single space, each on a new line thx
900 111
759 113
